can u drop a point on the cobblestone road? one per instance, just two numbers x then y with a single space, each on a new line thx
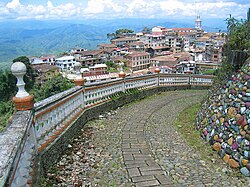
137 145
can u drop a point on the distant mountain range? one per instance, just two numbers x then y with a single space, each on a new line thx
35 38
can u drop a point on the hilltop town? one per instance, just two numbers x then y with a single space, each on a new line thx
172 50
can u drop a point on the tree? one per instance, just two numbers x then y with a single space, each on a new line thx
111 36
7 85
120 32
51 87
146 30
238 37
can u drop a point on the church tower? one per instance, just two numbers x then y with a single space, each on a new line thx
198 22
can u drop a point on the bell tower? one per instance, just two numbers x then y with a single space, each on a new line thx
198 22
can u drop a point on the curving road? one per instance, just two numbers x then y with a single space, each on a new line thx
137 145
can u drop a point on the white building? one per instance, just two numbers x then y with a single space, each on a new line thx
65 62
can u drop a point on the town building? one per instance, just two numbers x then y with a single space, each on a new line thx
75 50
45 72
214 54
138 60
100 78
65 62
159 30
106 46
136 46
167 60
151 40
180 31
48 59
90 57
163 69
98 69
120 42
186 67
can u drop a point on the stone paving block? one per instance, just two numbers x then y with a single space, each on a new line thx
142 157
139 133
133 172
147 183
135 150
164 179
125 145
128 132
148 168
138 145
134 162
134 136
143 178
139 129
127 157
141 140
144 151
125 136
153 172
130 140
152 163
142 121
136 165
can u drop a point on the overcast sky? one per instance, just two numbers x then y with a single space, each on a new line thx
106 9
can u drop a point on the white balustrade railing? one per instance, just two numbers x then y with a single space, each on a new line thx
201 80
98 93
54 114
174 79
143 82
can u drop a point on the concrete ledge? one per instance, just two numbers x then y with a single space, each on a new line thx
11 142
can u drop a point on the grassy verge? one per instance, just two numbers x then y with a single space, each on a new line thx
185 126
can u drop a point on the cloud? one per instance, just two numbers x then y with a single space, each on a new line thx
13 4
123 9
102 6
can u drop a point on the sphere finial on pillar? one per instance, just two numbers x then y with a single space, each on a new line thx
22 100
79 81
122 74
157 70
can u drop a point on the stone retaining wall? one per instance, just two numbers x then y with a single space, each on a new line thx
224 120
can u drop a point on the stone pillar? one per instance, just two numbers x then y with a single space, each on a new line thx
79 81
157 70
122 75
22 100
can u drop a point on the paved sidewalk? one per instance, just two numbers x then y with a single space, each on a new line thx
136 145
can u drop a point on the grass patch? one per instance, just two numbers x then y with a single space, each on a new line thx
185 126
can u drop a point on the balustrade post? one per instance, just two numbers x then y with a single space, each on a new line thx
157 70
123 75
22 100
79 81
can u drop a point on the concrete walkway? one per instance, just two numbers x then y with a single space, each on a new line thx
137 145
